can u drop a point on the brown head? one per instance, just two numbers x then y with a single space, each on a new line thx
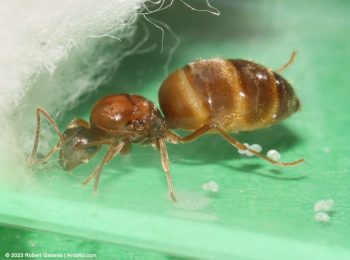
71 153
237 95
125 116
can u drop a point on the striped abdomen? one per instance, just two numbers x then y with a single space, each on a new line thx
237 95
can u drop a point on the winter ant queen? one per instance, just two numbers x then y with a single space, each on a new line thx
206 96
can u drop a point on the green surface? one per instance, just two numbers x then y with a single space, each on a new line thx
40 244
261 211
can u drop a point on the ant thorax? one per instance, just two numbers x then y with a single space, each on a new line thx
131 118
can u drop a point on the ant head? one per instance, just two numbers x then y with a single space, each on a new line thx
72 151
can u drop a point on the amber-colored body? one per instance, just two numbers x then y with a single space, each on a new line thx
207 96
127 117
236 95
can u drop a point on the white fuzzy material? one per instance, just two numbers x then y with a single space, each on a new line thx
51 52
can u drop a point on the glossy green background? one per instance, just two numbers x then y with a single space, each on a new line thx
261 211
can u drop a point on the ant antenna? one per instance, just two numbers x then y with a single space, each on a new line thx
39 111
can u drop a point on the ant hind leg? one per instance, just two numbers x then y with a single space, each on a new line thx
174 138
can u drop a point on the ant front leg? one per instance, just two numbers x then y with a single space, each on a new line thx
40 111
111 153
174 138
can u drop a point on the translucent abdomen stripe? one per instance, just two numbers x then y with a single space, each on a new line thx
212 81
257 85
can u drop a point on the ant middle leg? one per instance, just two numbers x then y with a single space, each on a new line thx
166 166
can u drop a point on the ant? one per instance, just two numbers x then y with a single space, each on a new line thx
206 96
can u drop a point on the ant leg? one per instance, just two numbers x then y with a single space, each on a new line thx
165 164
111 153
39 111
174 138
126 149
290 61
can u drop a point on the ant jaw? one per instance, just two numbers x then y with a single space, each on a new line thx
67 165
